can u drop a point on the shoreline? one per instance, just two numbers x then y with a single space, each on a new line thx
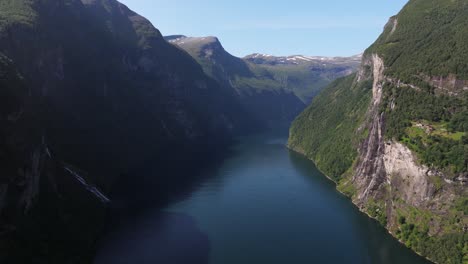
355 205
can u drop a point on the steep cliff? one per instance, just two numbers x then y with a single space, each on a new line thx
404 158
89 92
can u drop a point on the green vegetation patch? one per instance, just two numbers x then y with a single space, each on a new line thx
428 38
347 187
304 80
17 11
433 126
377 211
447 248
328 130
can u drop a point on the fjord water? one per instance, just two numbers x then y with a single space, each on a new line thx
263 205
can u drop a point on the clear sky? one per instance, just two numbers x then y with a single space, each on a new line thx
277 27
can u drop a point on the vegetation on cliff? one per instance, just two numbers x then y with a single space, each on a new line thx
424 105
427 38
326 131
432 126
302 76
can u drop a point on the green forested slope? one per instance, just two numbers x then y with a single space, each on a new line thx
326 131
429 38
274 90
15 11
424 106
434 127
426 41
304 76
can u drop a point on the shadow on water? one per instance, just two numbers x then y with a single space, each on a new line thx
138 228
164 180
157 239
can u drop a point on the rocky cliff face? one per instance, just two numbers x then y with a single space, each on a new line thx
391 183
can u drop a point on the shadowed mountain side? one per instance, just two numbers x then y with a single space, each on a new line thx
90 91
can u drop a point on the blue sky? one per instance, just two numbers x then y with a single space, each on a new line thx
288 27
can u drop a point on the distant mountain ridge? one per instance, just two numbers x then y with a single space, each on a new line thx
302 75
274 89
258 58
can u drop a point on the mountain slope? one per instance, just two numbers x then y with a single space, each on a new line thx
306 76
394 136
90 92
266 100
271 88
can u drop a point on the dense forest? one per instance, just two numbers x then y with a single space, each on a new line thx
326 131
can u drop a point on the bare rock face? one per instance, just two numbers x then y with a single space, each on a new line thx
370 176
378 73
405 175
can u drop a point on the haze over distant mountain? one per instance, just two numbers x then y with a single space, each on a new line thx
394 135
274 89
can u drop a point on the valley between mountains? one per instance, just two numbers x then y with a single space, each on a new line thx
92 95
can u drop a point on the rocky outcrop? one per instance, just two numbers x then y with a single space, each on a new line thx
403 174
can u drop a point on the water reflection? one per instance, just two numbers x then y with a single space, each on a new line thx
262 204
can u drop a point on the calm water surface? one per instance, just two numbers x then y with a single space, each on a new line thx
263 204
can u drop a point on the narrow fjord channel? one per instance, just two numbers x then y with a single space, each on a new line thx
262 205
